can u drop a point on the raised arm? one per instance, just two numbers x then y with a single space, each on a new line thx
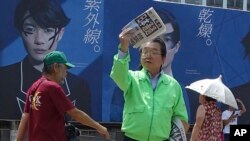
120 69
243 108
125 37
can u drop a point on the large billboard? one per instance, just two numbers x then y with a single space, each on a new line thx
213 41
81 42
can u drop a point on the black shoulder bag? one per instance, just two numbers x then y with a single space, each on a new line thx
72 133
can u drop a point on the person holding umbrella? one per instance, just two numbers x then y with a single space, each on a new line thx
208 125
230 117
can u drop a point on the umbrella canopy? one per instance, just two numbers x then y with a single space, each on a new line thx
214 88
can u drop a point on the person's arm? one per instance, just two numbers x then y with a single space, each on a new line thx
226 121
22 129
120 69
83 118
125 37
185 125
243 108
200 116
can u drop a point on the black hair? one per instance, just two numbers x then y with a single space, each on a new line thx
168 17
162 44
209 99
46 13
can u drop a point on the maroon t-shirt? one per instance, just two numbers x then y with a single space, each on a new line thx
46 104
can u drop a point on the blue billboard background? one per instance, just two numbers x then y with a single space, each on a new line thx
210 46
81 42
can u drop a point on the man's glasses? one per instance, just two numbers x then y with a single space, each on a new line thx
145 53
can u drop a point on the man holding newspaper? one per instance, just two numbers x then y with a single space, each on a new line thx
152 98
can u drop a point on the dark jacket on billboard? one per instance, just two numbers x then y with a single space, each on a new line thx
18 77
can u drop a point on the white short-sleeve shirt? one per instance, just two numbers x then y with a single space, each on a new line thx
225 115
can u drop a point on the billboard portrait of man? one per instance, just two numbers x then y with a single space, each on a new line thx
42 26
212 43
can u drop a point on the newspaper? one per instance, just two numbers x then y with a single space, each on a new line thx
145 27
177 131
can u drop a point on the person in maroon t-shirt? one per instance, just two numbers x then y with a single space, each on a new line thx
46 104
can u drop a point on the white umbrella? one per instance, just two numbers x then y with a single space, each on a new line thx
214 88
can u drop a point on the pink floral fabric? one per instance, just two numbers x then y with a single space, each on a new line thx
212 124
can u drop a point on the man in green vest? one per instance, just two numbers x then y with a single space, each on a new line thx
152 98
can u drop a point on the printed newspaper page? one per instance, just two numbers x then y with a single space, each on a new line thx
145 27
177 131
